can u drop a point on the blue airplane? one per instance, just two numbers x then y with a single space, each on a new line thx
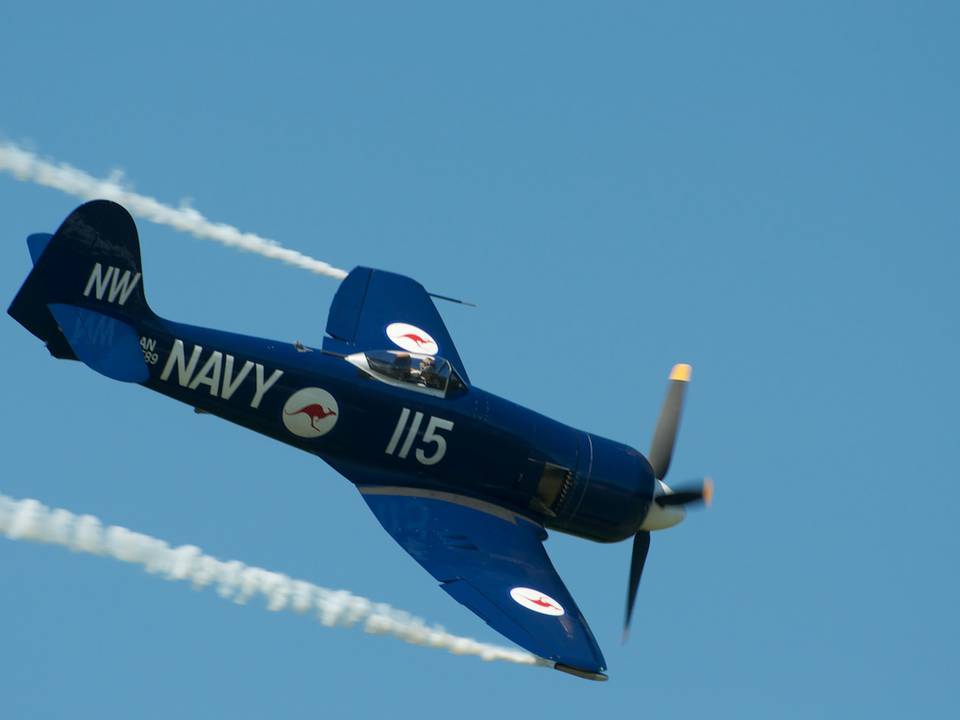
464 481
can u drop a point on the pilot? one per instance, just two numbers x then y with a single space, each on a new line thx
429 375
403 367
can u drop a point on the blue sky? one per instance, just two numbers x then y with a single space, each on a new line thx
767 191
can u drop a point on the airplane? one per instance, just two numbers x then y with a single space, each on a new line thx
465 481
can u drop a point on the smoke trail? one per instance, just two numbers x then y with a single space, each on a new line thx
26 166
32 521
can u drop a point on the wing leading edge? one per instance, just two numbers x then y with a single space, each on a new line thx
492 561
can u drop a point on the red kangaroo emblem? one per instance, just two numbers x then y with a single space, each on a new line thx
542 603
417 339
314 411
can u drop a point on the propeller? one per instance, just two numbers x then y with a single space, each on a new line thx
703 494
641 544
665 434
667 507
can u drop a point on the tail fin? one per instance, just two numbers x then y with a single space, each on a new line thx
92 267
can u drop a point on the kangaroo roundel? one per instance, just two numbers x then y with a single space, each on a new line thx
412 338
537 601
310 412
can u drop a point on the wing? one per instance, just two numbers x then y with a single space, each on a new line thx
378 310
491 560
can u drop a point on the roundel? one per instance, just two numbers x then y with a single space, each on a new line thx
537 601
412 338
310 412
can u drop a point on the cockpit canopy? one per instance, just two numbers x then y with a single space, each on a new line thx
423 373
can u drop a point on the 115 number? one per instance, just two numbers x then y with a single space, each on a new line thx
431 437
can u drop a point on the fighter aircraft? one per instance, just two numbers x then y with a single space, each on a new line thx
465 481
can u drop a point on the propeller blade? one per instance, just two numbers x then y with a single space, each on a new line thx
641 544
664 437
686 496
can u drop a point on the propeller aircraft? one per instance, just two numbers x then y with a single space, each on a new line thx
465 481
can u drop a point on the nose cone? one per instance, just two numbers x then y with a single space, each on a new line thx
661 518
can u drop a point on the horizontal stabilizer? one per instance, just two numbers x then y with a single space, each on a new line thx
37 243
103 343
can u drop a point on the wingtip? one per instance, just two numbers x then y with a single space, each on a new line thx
681 372
595 675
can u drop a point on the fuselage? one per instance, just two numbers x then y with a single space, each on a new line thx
471 442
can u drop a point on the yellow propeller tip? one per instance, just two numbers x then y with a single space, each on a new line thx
681 372
708 491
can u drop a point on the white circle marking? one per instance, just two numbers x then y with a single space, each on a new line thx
411 338
537 601
310 412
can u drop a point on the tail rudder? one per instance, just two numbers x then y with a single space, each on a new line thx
84 296
92 261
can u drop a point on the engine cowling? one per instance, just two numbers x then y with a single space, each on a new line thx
611 491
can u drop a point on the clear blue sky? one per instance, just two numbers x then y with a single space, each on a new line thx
765 190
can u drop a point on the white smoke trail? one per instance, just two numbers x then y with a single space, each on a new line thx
33 521
26 166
